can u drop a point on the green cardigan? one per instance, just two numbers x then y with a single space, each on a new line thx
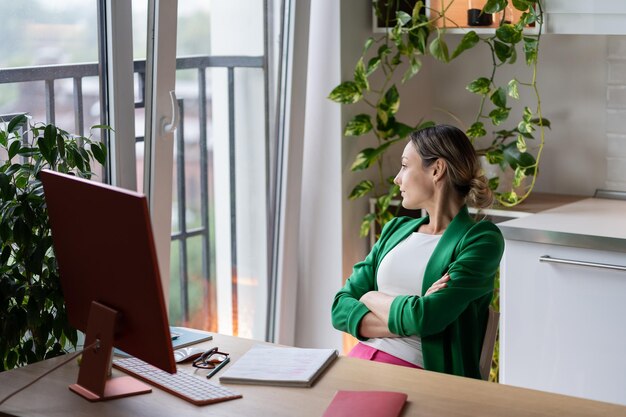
451 322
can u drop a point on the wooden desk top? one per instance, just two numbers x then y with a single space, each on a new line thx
429 394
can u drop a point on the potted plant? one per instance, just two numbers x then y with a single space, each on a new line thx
399 52
33 321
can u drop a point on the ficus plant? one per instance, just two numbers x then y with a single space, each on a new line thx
33 320
396 56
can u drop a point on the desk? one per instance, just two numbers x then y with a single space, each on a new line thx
429 394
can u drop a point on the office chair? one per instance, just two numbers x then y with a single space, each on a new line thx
489 343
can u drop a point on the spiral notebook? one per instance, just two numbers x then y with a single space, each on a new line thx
282 366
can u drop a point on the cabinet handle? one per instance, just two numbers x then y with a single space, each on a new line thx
547 258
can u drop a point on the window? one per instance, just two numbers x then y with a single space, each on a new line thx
50 67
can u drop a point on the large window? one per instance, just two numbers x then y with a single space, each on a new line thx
49 67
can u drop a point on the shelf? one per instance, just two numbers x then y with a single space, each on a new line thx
456 18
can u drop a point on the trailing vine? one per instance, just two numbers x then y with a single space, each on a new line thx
410 37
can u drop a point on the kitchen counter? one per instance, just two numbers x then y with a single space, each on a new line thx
591 223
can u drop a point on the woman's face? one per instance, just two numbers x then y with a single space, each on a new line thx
416 182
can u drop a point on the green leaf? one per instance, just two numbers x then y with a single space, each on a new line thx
513 58
494 183
480 86
98 153
361 189
521 143
14 148
476 130
469 41
495 157
525 127
512 89
105 127
530 50
498 97
413 69
508 33
516 159
521 5
11 359
424 125
439 49
383 50
390 103
541 122
60 146
494 6
368 156
50 135
402 18
21 183
518 176
503 50
359 125
4 137
382 202
417 12
397 59
528 114
368 43
21 232
527 19
16 122
509 197
347 92
372 65
402 130
499 115
366 224
419 39
359 76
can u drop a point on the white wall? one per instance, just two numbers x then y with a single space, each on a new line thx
572 82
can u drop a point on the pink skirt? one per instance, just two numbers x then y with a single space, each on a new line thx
369 353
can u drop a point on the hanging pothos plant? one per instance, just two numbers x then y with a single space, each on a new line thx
400 50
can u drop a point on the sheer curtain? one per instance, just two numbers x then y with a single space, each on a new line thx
308 244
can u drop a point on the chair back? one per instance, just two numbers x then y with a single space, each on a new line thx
489 343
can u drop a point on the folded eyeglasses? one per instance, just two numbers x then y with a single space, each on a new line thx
210 359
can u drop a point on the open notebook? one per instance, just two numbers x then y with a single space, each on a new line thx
284 366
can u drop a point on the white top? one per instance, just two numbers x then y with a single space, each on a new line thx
401 272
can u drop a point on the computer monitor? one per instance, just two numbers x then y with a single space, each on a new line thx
103 242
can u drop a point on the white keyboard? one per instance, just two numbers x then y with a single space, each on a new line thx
191 388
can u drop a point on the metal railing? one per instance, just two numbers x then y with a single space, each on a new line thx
49 74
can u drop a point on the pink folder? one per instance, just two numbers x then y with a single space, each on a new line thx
366 404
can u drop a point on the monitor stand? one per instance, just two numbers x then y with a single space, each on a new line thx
93 382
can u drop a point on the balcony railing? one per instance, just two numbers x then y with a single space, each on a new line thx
50 74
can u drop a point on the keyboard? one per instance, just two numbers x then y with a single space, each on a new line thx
191 388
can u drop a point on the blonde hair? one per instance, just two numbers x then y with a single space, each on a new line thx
464 172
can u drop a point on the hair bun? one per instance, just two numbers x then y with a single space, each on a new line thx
479 195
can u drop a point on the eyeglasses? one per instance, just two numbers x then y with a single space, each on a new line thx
210 359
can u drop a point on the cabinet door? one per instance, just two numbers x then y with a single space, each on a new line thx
563 325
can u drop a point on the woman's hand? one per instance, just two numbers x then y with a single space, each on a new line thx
439 284
372 326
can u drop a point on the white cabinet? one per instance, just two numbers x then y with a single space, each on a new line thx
585 17
563 326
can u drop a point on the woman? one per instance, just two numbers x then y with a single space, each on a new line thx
421 296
